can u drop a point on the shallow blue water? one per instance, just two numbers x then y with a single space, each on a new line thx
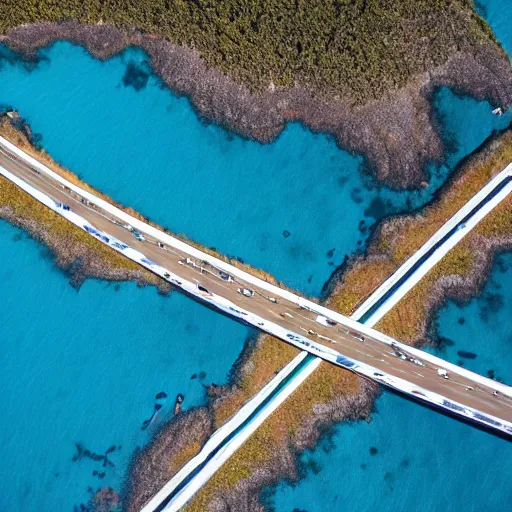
478 335
84 367
498 14
425 461
147 149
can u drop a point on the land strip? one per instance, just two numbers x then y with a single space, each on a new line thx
180 489
313 376
363 72
237 484
204 277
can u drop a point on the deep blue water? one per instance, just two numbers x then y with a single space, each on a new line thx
426 461
85 366
478 335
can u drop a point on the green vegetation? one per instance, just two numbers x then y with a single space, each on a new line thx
361 48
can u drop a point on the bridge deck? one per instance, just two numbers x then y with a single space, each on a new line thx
371 353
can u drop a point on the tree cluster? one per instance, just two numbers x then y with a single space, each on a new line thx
361 47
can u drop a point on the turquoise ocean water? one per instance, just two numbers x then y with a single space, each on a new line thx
424 461
148 149
84 367
409 457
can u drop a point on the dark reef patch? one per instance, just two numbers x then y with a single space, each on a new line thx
445 342
313 466
389 478
377 209
373 450
82 452
466 355
481 8
501 265
356 195
342 180
492 303
29 60
135 76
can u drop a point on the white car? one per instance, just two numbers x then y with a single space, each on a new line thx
225 277
246 292
138 236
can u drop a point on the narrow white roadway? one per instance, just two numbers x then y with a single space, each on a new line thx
399 283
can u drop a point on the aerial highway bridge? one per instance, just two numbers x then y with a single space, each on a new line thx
278 311
231 435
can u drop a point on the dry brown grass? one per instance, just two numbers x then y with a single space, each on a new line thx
408 320
19 139
270 356
327 382
27 209
399 238
188 451
405 322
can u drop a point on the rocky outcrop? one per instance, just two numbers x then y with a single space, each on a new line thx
397 134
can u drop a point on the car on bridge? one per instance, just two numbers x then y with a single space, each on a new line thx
246 292
139 236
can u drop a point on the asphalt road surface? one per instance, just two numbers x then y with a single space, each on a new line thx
348 342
